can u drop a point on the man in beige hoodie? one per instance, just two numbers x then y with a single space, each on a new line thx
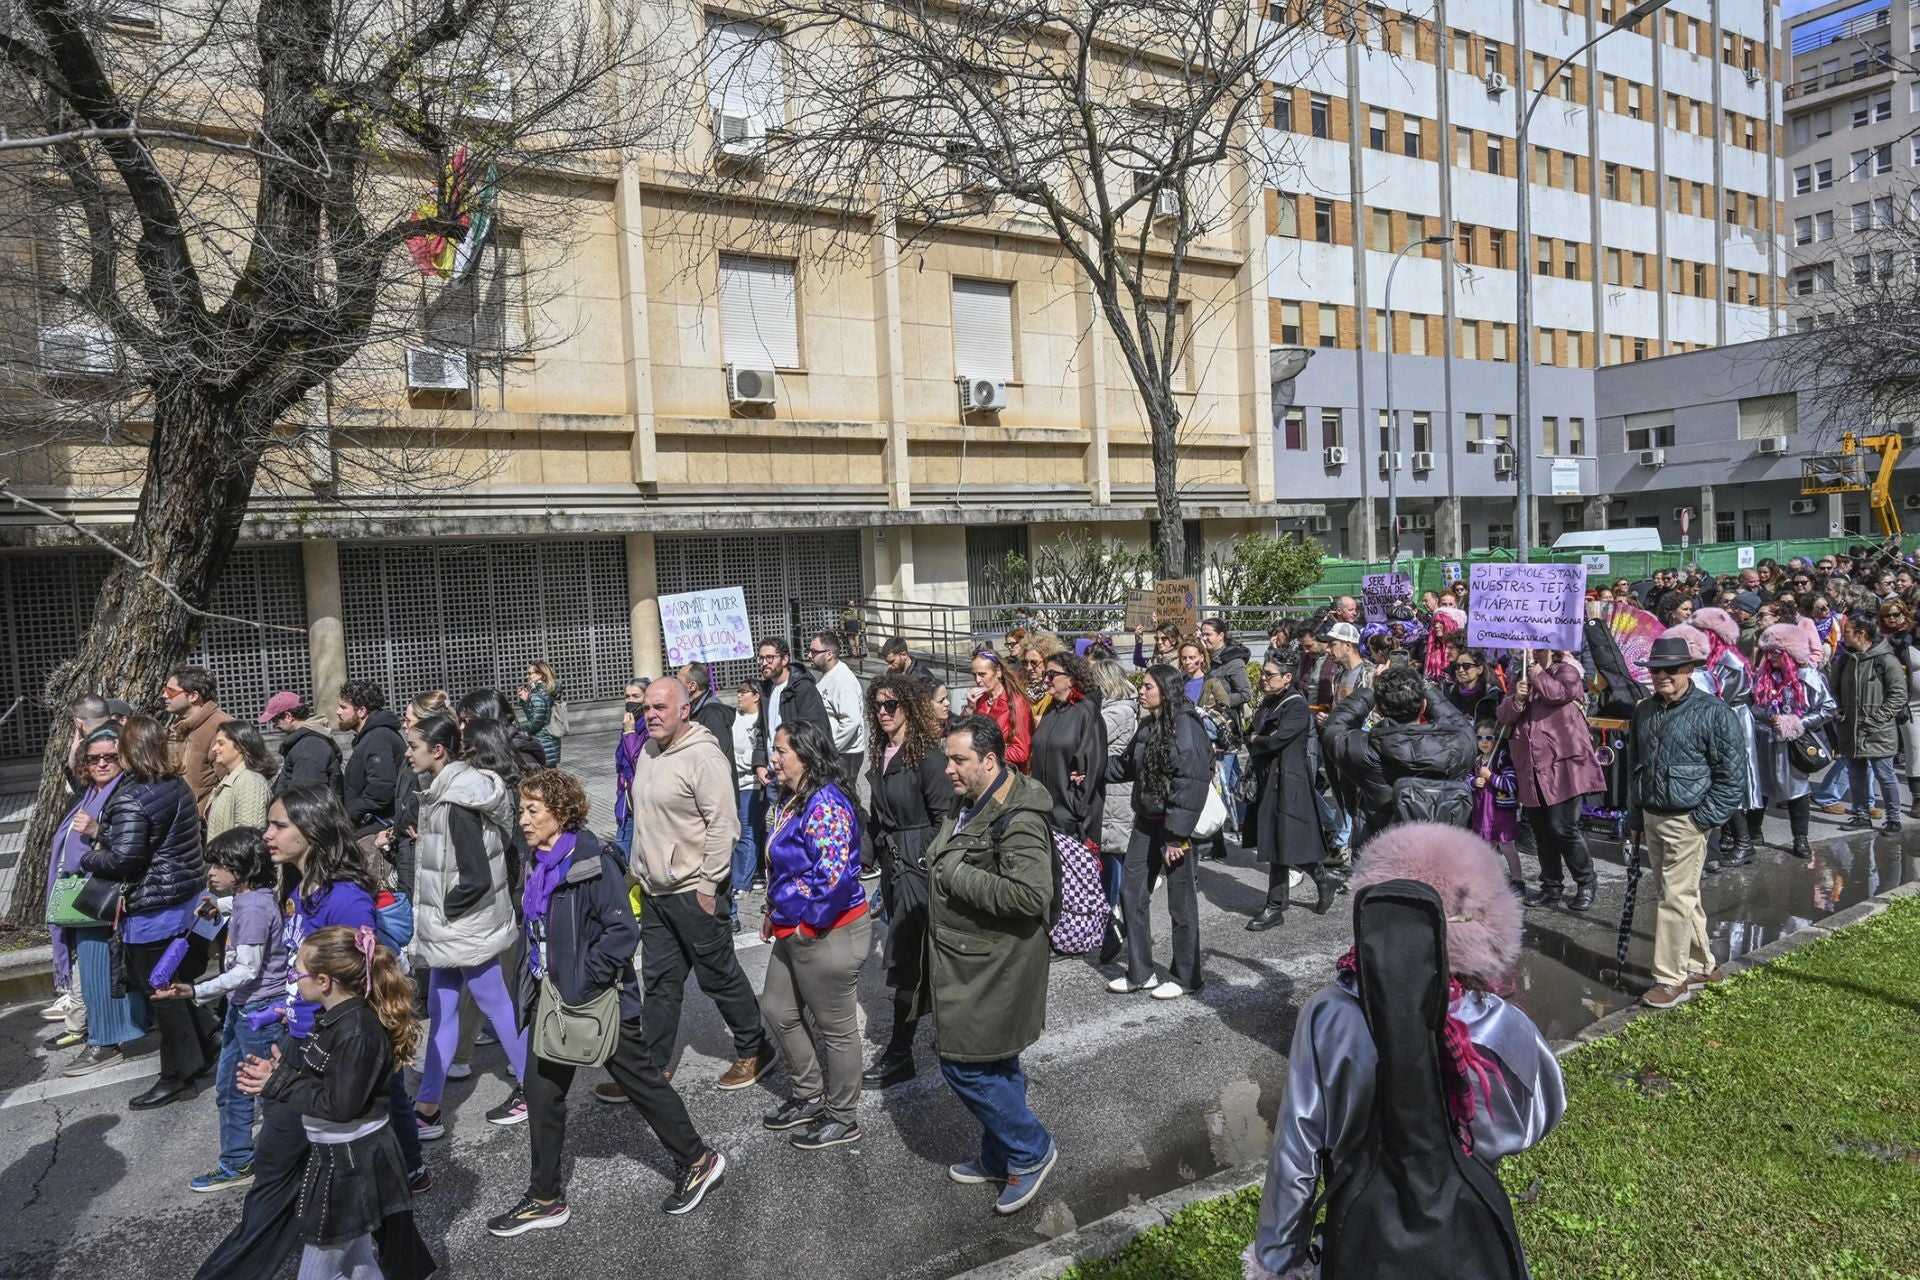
686 818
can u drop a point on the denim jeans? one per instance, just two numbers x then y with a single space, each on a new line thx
1835 787
237 1040
1011 1140
746 850
1882 767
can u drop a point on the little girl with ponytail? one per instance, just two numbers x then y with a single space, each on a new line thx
354 1187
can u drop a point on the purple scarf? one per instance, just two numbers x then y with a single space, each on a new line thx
549 869
68 848
626 759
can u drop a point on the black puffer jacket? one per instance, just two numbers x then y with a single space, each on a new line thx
310 755
1369 762
150 841
590 933
373 771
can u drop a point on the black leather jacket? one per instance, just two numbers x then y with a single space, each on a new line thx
150 841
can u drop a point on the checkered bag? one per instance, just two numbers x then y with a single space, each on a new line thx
1083 903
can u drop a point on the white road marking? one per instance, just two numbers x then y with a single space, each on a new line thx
61 1086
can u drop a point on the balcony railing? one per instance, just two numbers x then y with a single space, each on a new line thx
1879 64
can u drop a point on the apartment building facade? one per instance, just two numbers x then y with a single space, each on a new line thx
1655 173
1852 104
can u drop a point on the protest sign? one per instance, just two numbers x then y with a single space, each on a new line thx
1378 591
1177 600
706 626
1139 608
1526 606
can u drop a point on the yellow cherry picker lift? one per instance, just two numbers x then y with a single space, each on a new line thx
1846 472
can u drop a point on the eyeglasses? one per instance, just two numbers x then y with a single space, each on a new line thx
886 706
298 975
111 757
1483 737
814 653
769 657
1034 664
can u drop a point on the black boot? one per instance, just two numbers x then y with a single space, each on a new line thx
1113 941
1547 895
1328 886
1267 917
1799 813
895 1065
1738 856
1582 897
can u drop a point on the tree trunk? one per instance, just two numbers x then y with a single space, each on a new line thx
189 518
1163 422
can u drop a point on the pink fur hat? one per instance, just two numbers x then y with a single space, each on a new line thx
1697 643
1483 915
1789 639
1718 621
1455 616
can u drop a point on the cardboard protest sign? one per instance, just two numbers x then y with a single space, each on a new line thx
1139 609
1526 606
706 626
1378 591
1177 600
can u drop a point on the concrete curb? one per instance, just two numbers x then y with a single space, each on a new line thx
1109 1235
26 962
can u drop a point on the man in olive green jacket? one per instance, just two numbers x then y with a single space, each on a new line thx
990 889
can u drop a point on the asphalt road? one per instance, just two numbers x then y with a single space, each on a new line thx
1140 1095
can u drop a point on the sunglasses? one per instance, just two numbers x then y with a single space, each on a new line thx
1055 673
1483 737
1466 666
1034 664
886 706
172 691
111 757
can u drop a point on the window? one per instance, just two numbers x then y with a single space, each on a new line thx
1503 428
1460 52
1476 427
1636 106
1550 436
1409 46
1822 175
1422 422
1463 245
1416 335
1857 166
1863 216
1723 528
1376 129
1544 344
1469 340
1613 275
1803 229
1283 107
1380 231
1329 428
1410 136
1417 230
1499 536
1608 101
1543 251
485 310
759 328
1290 323
1500 342
1863 269
1577 437
1822 123
1323 220
1823 225
1319 108
983 329
1647 430
1570 260
1490 58
1759 524
1610 181
1497 250
1883 105
1494 155
1293 429
1803 180
1862 109
1287 219
1769 416
744 75
1700 289
1182 339
1802 131
1883 159
1570 172
1329 326
1462 149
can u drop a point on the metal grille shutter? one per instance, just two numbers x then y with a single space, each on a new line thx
983 329
466 616
819 569
758 325
46 604
987 548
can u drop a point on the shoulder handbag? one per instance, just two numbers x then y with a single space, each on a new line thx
577 1035
1213 814
1808 754
60 908
99 900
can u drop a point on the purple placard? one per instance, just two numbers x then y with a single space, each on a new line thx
1526 606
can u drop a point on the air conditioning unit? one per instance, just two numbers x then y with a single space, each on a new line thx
436 369
1423 461
751 386
737 136
1334 456
1753 75
1166 205
1911 502
1503 463
1496 84
1802 506
1415 522
1908 430
78 348
1320 524
1389 462
1653 457
492 98
1773 446
981 395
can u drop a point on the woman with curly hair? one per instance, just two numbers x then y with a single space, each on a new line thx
910 794
1170 764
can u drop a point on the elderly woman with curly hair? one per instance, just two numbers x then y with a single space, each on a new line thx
1500 1082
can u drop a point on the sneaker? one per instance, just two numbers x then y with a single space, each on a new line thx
420 1181
529 1215
486 1036
1121 987
512 1111
1695 981
793 1113
65 1039
57 1011
222 1179
1876 813
1892 828
824 1133
745 1071
1168 991
610 1092
694 1182
1021 1188
93 1058
1838 806
1664 997
429 1127
971 1173
1856 822
459 1070
869 873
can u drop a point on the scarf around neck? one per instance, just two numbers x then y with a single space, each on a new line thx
549 869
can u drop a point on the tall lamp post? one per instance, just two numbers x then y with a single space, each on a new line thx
1523 284
1393 419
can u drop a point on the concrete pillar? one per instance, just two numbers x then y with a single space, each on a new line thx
1706 522
643 604
1836 514
1252 320
1449 538
1593 512
636 344
893 374
1093 393
326 633
1363 541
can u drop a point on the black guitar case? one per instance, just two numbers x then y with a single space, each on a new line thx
1414 1206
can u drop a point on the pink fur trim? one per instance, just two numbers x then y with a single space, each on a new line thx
1791 727
1718 621
1483 929
1697 643
1457 617
1788 637
1251 1268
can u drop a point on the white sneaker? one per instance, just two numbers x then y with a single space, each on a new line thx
57 1011
1169 991
1295 878
1121 987
459 1070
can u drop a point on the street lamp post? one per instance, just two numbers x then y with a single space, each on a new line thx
1523 284
1393 419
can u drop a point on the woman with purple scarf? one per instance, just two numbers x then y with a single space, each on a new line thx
581 938
626 758
82 958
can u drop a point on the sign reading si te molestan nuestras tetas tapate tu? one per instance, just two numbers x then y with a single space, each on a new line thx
706 626
1526 606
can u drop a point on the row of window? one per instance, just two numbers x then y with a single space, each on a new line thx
1556 438
1861 165
1326 324
1868 108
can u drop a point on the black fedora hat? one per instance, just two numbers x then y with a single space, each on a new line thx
1670 652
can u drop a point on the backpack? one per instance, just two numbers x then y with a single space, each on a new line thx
1078 911
393 920
557 719
1412 1205
1447 801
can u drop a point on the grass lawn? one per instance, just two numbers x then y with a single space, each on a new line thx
1768 1128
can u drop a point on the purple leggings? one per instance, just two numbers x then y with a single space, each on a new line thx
489 990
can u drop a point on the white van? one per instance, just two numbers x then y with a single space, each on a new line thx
1609 540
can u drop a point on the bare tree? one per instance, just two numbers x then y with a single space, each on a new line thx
1130 132
229 221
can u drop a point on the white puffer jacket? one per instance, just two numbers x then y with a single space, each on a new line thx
482 925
